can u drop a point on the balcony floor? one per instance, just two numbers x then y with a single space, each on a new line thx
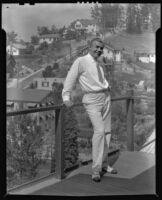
136 175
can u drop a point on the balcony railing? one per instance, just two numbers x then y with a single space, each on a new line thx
60 122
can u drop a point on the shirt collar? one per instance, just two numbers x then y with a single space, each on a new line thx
91 57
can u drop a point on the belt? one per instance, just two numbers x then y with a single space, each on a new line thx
97 91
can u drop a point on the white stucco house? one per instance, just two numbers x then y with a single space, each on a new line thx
140 85
147 58
152 57
46 83
118 55
78 25
89 25
49 38
108 53
15 49
112 54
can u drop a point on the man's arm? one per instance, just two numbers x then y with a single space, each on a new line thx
70 82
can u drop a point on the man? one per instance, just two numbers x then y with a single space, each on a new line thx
88 71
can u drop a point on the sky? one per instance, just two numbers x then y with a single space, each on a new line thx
24 19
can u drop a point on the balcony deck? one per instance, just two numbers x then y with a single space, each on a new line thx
136 175
136 169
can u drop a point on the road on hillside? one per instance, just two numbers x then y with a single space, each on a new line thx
24 82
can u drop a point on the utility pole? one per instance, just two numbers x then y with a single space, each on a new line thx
104 28
17 68
70 49
17 75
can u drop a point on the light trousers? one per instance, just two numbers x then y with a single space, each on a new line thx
98 107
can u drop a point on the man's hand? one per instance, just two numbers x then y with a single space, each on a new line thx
68 103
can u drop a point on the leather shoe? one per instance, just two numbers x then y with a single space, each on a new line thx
110 170
96 178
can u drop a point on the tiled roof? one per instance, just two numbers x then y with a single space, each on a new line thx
26 95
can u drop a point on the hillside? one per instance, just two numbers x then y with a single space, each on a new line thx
133 42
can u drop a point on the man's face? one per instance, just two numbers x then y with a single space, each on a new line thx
96 49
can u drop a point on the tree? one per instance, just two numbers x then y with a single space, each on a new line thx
130 19
110 15
106 16
140 16
71 131
145 15
53 29
62 72
43 46
22 42
48 72
34 39
134 19
95 13
61 31
24 145
155 15
11 37
139 23
11 65
43 30
57 90
56 65
71 135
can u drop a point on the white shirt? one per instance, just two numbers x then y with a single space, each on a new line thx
84 70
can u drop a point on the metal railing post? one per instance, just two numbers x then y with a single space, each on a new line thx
59 142
130 118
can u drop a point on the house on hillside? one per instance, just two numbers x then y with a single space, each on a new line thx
146 57
152 57
141 85
118 55
49 38
78 25
16 49
108 52
86 24
46 83
112 54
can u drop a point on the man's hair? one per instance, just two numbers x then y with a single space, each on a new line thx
95 39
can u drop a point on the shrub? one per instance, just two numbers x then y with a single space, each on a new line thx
71 135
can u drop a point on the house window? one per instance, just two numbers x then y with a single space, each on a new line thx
45 84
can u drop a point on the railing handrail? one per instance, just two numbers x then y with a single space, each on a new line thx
146 144
34 110
54 107
59 128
